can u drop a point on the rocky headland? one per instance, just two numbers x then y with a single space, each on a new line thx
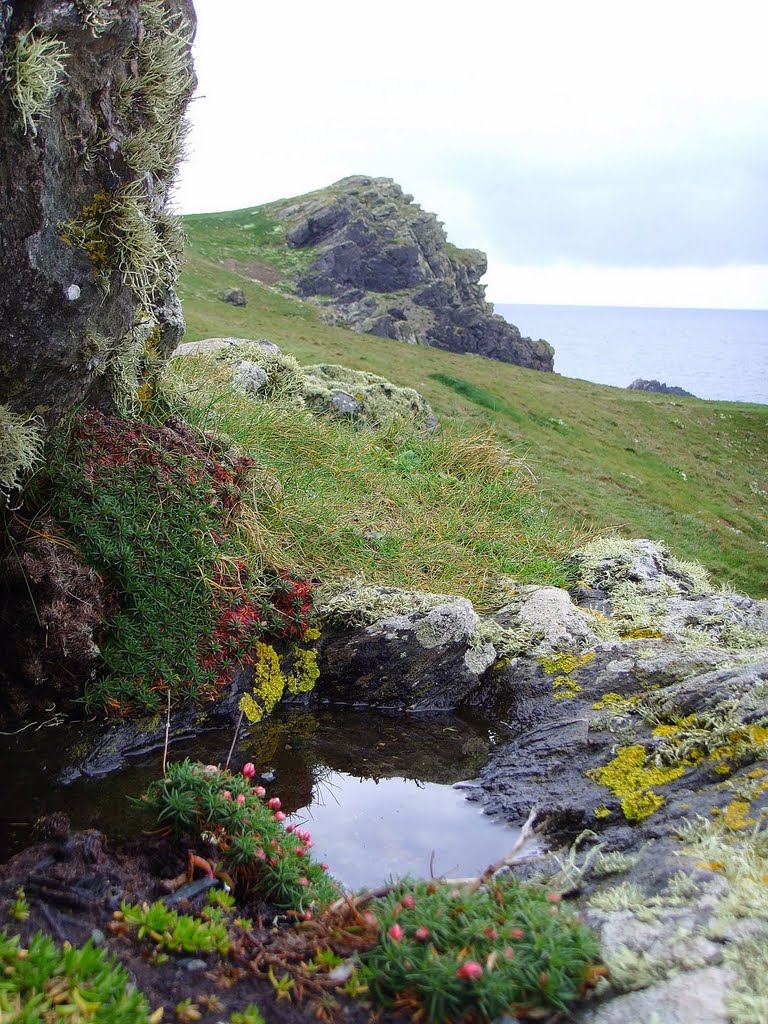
382 265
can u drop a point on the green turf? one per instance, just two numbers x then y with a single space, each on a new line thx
690 472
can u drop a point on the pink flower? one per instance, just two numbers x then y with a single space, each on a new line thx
259 791
490 933
553 897
516 933
261 855
307 915
471 969
249 770
422 934
408 901
291 828
280 816
324 867
509 952
395 932
226 794
241 798
301 851
210 769
274 803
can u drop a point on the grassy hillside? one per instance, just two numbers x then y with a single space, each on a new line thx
690 472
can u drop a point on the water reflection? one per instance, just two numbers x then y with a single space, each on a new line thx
375 787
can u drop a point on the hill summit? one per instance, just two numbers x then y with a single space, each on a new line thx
381 265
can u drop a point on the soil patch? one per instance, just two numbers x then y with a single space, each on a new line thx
254 270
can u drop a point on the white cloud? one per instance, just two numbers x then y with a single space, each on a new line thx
453 102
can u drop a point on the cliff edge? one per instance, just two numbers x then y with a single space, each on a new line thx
384 266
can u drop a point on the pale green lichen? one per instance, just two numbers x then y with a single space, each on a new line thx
747 999
719 734
153 100
21 446
34 71
630 970
624 896
353 607
95 14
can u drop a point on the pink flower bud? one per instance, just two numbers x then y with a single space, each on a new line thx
291 828
307 915
553 897
395 932
210 769
422 934
261 855
241 798
301 851
226 794
274 803
259 791
408 901
280 816
471 970
249 770
324 867
516 933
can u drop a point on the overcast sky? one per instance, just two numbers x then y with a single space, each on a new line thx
601 152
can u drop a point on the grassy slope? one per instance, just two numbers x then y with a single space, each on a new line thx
683 470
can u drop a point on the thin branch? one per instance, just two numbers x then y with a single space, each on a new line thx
167 734
234 740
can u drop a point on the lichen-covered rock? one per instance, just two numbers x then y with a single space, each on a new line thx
235 297
383 266
92 100
262 370
392 648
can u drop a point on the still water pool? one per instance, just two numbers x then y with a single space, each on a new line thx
376 789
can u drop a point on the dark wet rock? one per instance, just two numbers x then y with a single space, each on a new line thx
71 165
234 296
383 266
662 389
418 660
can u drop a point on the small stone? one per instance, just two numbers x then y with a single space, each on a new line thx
98 938
234 296
193 965
73 293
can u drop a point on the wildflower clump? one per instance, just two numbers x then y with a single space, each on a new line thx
252 846
155 511
469 953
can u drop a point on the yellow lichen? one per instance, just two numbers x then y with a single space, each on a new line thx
642 634
565 664
305 671
734 815
312 633
602 812
250 708
268 678
629 778
615 702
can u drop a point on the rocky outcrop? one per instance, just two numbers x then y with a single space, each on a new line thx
92 97
383 266
656 386
638 705
261 370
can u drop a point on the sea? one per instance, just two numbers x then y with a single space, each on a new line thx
713 353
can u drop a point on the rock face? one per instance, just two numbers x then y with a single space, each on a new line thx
383 266
661 389
638 704
92 97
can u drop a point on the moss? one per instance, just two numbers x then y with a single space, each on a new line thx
21 446
630 778
34 70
